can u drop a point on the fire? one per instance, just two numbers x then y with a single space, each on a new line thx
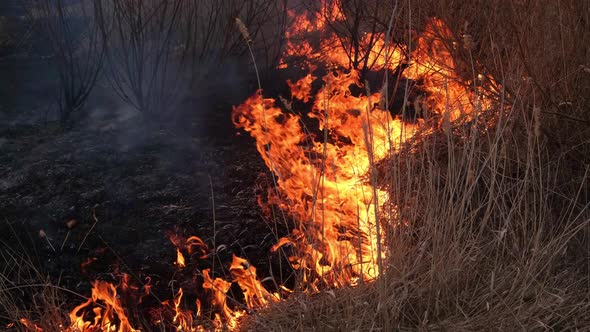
255 294
29 325
326 180
195 243
219 288
104 311
111 316
87 263
323 181
189 245
181 319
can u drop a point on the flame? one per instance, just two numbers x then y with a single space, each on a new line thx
110 316
255 294
326 181
194 242
181 319
87 263
302 88
29 325
105 312
219 288
323 182
180 262
332 48
190 245
147 288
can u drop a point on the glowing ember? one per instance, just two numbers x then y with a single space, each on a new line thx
87 263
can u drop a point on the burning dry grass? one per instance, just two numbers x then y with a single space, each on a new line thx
495 221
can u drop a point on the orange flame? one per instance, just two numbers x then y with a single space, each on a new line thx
255 294
30 325
181 319
196 242
180 262
87 263
219 289
109 317
326 184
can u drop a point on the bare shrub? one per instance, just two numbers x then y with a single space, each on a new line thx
77 46
208 32
158 49
355 28
141 40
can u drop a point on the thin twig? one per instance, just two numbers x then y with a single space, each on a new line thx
90 230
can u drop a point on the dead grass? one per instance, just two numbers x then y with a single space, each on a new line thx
25 293
491 243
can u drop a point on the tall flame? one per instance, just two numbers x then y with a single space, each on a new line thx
327 183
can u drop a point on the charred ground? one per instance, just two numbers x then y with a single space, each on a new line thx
124 190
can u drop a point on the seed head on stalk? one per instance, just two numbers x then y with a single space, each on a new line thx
243 30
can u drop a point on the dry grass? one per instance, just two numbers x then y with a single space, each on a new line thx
25 293
485 247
